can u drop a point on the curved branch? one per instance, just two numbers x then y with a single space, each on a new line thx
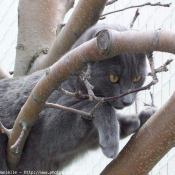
107 44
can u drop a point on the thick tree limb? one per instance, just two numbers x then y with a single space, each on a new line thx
152 101
148 146
107 44
64 7
84 16
40 18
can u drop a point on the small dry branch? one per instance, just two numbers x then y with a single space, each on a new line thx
162 68
152 101
132 91
151 63
85 77
111 2
135 17
135 6
85 115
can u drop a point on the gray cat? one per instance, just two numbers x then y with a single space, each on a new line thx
57 136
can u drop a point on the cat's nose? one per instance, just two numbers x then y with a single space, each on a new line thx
126 103
127 100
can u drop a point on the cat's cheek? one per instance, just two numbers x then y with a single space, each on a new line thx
110 148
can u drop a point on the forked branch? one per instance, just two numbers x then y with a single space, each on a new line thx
162 68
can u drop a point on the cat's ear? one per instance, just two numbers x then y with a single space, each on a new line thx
145 114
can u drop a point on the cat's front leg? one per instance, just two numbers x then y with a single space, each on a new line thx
108 129
145 114
129 124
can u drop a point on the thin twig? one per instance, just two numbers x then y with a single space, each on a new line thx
65 92
96 106
77 94
136 104
82 113
111 2
148 3
152 101
135 17
132 91
5 130
151 63
85 77
162 68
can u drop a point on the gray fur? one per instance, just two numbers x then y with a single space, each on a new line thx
59 135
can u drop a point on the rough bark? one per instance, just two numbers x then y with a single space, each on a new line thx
37 28
86 14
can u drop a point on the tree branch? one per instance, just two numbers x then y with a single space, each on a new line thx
88 116
151 63
148 3
33 38
153 140
70 33
111 2
162 68
107 44
135 17
132 91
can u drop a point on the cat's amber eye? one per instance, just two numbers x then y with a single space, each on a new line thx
113 78
136 79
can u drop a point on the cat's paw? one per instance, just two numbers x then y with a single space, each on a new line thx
145 114
110 147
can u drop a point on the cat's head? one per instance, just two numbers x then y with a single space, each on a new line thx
118 75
